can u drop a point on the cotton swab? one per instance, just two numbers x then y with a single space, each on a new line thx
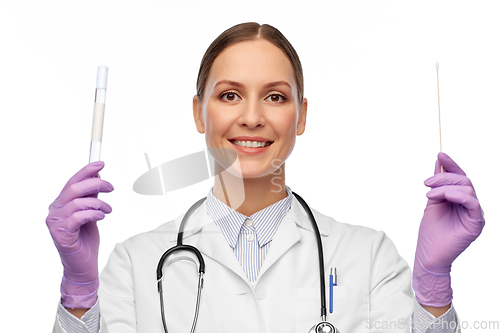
439 112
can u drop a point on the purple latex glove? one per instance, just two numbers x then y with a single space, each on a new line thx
452 220
72 224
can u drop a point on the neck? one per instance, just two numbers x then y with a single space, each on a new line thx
249 195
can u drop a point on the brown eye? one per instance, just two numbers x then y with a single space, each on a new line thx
277 98
229 96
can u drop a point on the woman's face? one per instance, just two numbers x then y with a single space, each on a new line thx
251 95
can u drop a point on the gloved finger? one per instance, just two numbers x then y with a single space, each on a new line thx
88 171
468 201
83 188
75 221
79 204
95 194
462 195
447 178
437 167
96 176
448 164
439 193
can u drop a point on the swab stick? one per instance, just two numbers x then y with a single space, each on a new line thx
439 112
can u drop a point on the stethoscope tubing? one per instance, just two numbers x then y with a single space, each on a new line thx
201 269
320 254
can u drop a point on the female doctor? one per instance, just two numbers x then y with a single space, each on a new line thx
261 253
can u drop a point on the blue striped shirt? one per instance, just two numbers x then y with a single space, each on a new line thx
89 323
249 236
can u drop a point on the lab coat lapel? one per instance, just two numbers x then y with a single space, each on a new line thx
285 238
202 232
289 234
213 244
302 219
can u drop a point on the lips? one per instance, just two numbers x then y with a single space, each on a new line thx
251 150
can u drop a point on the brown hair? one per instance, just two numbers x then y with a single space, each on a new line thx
245 32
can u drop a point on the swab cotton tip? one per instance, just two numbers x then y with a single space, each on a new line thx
437 66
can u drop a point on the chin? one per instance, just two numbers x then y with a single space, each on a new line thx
260 173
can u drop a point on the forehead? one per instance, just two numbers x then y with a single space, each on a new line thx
255 62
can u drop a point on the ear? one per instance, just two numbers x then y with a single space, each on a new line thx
301 123
198 119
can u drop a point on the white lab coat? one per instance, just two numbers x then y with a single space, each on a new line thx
373 280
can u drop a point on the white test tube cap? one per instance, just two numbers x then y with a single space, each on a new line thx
102 77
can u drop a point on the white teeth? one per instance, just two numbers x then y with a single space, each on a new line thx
251 144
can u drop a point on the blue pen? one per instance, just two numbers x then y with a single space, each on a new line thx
332 284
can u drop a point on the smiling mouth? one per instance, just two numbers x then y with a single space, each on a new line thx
252 144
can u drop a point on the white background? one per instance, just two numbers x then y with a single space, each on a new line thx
371 137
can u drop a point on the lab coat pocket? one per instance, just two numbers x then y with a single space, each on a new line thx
350 308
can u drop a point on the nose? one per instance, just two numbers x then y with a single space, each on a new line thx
252 114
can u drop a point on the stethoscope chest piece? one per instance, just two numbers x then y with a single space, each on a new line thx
324 327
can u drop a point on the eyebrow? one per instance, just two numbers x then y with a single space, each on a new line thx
238 84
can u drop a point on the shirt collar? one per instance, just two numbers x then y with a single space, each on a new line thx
266 221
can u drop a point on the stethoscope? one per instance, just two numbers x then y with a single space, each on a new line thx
322 327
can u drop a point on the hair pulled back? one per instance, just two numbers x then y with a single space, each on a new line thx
246 32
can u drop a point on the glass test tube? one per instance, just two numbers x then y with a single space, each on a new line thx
98 121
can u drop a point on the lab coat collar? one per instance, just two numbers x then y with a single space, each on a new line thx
301 218
213 244
198 220
297 214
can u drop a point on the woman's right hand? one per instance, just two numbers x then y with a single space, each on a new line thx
72 223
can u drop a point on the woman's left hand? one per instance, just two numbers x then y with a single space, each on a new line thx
452 220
